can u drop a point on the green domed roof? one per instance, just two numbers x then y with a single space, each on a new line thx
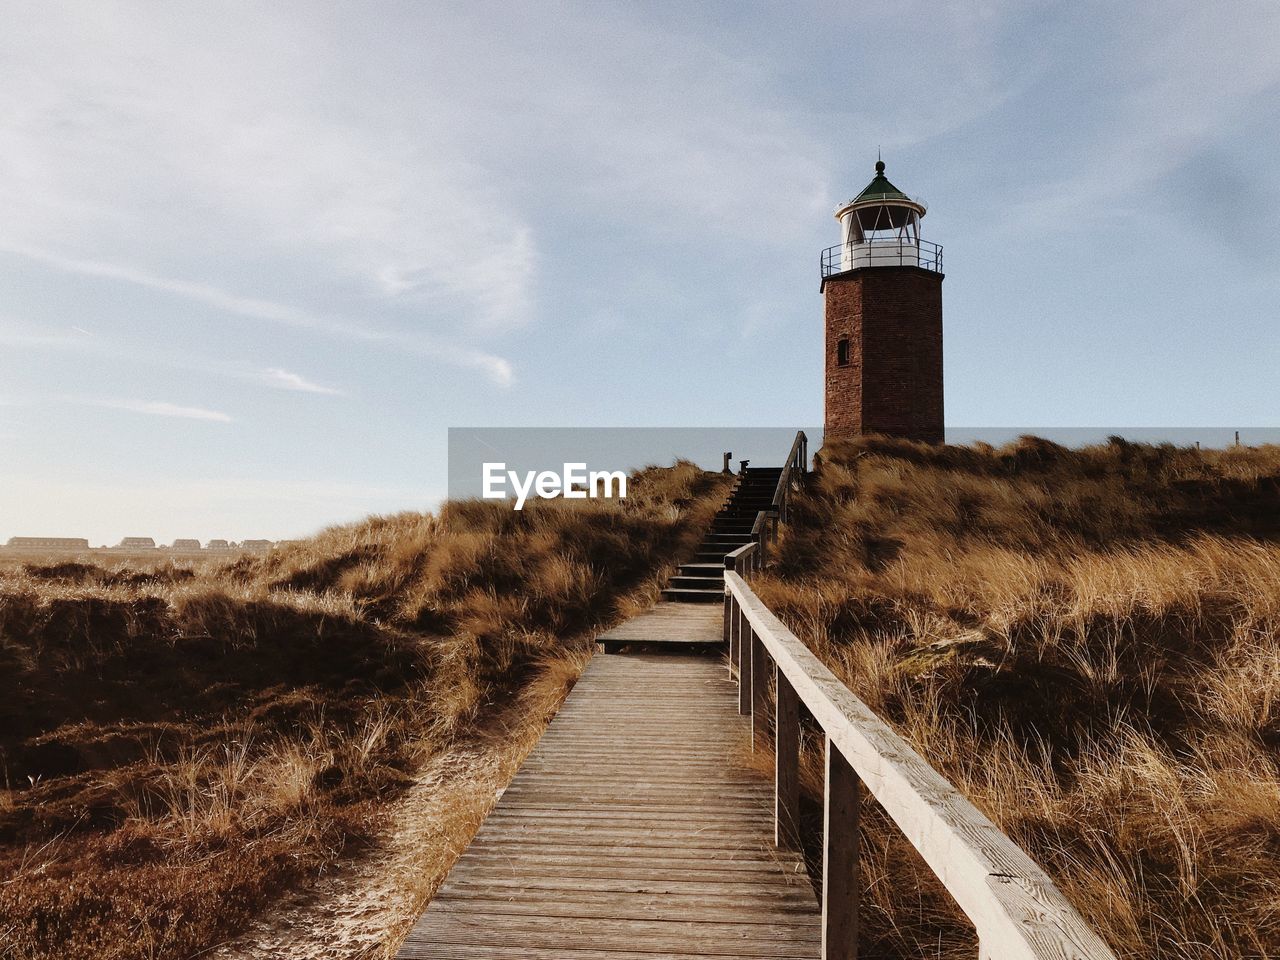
880 188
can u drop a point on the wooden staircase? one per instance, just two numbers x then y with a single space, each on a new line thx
702 579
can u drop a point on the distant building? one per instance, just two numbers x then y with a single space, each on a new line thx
137 543
218 545
186 545
48 543
259 546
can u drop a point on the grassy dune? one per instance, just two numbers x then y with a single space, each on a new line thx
1087 643
178 746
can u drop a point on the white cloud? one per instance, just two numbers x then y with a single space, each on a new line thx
286 380
495 368
39 338
414 160
1171 84
224 300
214 147
203 292
498 369
162 409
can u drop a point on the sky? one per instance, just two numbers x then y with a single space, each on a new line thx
256 259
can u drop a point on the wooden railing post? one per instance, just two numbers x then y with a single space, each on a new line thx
740 646
760 671
786 763
840 858
731 622
746 636
731 618
759 540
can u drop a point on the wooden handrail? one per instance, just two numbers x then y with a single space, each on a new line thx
749 558
742 560
1018 912
764 530
797 460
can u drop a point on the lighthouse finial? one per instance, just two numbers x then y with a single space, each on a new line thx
879 162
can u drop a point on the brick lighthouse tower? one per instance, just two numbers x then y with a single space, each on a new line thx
882 287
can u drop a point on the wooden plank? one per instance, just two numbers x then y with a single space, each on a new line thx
656 865
695 822
705 937
777 928
524 952
619 844
670 623
679 886
630 831
1018 912
584 904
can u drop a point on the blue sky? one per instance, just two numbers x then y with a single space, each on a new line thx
257 258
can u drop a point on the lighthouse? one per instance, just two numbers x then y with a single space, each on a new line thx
882 295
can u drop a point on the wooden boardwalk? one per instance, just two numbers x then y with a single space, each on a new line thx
677 624
630 833
633 832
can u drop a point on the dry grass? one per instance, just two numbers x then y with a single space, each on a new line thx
505 745
177 748
1087 643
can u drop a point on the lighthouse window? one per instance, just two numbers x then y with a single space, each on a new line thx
842 352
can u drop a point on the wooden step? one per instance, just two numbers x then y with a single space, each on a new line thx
684 582
702 570
679 595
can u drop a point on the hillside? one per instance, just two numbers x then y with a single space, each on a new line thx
181 746
1087 643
